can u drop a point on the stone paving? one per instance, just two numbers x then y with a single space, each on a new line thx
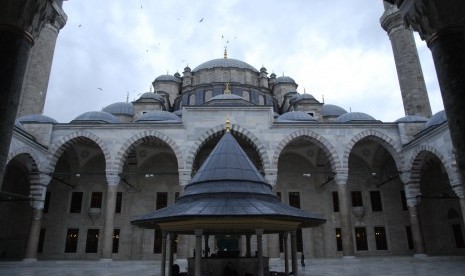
362 266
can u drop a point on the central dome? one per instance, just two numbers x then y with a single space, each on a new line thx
226 63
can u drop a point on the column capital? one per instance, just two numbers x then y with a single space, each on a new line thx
271 176
113 178
432 17
185 177
198 232
259 231
459 190
26 17
341 176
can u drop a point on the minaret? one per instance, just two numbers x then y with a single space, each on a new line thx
409 73
37 74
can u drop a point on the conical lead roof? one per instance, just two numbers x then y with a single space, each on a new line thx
228 185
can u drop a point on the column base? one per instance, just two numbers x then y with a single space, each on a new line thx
29 260
420 255
105 260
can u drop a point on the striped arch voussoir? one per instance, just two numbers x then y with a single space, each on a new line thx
138 139
64 143
390 144
323 144
218 130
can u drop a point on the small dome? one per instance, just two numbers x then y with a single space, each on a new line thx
151 96
100 117
285 79
354 117
36 118
167 78
436 119
157 116
225 63
301 97
411 119
120 108
273 75
296 116
332 110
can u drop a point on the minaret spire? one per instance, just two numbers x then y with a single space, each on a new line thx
410 76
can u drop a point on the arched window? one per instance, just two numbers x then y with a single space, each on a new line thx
261 100
192 99
208 95
246 95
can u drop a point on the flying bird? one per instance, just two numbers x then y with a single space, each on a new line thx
79 25
100 89
201 20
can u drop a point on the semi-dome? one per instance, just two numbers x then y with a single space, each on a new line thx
96 117
332 110
120 108
36 118
437 119
225 63
412 119
296 116
284 79
167 78
158 116
354 117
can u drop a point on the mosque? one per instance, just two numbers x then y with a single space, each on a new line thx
73 190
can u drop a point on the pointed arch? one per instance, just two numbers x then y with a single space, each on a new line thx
392 146
416 162
235 129
66 142
324 144
140 137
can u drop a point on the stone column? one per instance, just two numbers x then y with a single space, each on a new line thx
109 219
273 245
20 24
248 252
409 73
198 252
294 253
37 75
412 191
459 190
163 253
183 240
345 213
259 233
39 183
171 256
286 253
34 232
442 25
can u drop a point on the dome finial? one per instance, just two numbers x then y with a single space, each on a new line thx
127 97
225 52
226 90
150 88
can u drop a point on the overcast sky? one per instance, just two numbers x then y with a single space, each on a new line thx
333 49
